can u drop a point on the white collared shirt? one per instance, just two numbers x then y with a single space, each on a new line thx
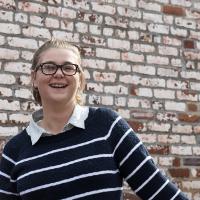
77 119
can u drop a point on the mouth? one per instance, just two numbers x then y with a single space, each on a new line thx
58 85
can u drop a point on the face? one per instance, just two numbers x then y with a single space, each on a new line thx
57 88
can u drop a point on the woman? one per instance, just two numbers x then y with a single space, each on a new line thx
70 151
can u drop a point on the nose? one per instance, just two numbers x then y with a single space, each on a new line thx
59 73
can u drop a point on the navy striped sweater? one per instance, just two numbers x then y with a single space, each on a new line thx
82 164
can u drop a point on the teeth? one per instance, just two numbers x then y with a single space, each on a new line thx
57 85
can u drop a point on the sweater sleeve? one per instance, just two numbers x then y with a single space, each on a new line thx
7 184
136 165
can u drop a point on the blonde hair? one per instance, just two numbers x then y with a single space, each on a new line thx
63 44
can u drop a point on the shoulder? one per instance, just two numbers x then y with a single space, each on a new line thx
16 144
105 112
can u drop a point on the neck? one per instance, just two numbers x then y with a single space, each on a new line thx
55 117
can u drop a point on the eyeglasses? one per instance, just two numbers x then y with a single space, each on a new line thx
51 68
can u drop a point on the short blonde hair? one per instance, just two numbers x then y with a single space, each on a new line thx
63 44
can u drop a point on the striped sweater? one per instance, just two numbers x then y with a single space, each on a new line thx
87 164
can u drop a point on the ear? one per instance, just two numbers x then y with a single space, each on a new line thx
33 78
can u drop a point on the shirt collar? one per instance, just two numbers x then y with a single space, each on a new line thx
77 119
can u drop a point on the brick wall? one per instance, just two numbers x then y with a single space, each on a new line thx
140 57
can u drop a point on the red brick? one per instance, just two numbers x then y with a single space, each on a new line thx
136 126
158 149
179 172
133 90
192 107
129 196
188 118
188 44
176 162
173 10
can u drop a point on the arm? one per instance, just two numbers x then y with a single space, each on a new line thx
7 185
137 166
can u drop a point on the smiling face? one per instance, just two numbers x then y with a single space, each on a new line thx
57 88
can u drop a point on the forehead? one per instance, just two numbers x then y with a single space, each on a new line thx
59 55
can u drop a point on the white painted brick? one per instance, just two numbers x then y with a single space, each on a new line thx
138 25
157 60
81 27
196 150
9 54
22 42
160 127
118 89
94 99
157 105
7 79
6 15
56 11
19 118
178 31
107 53
181 150
185 96
171 41
133 102
176 106
120 33
107 100
23 93
130 3
71 37
87 74
5 92
21 17
176 62
18 67
133 35
118 44
102 8
195 86
184 3
185 139
9 4
37 20
9 28
120 101
128 56
150 70
25 80
143 48
144 92
168 19
120 22
3 117
93 40
27 55
2 40
164 94
119 66
190 75
95 29
94 64
167 72
124 113
52 23
8 131
169 138
186 23
126 12
126 78
181 128
166 161
104 77
156 18
36 32
67 25
167 116
149 6
85 5
158 28
31 7
97 87
164 50
9 105
29 106
175 84
108 31
147 138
